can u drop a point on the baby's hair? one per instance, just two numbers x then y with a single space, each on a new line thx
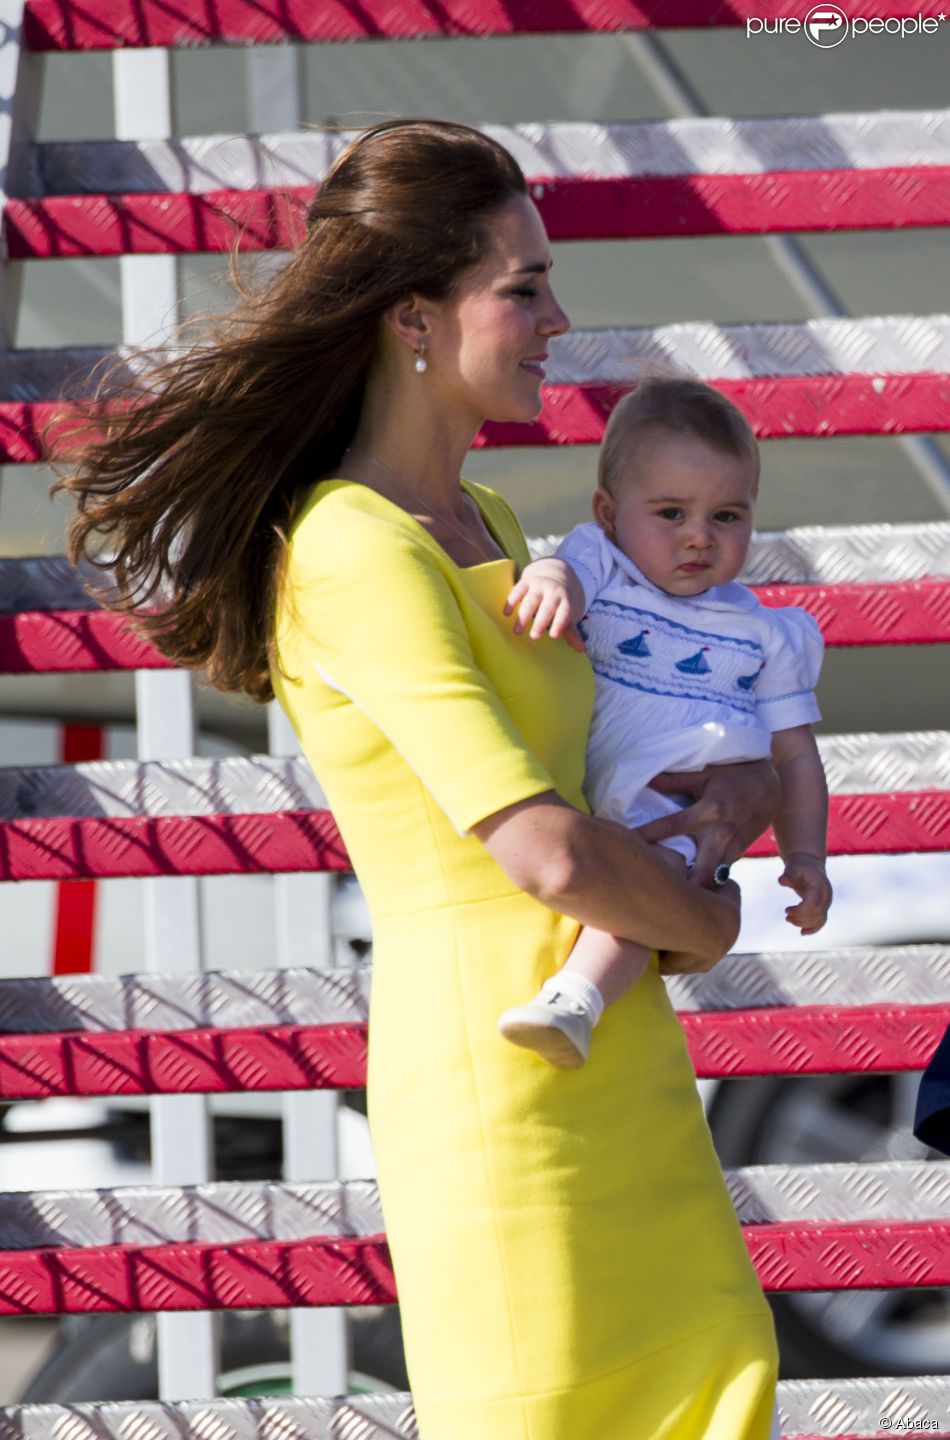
664 407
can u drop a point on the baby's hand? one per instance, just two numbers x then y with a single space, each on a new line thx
806 875
548 597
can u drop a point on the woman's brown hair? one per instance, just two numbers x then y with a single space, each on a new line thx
188 494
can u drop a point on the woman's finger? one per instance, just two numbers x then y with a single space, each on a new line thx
663 828
711 852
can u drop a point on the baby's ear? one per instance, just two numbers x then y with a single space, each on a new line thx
604 510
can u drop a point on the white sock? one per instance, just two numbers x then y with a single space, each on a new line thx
579 989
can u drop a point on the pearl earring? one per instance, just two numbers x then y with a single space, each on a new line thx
422 364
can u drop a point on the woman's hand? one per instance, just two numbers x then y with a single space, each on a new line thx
732 805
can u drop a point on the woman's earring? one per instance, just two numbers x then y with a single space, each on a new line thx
422 364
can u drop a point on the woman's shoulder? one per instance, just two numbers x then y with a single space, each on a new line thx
342 522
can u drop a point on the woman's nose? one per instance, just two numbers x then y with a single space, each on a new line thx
556 320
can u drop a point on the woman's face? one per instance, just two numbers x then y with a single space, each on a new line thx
488 343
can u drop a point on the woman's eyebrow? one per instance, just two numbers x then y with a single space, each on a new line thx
538 267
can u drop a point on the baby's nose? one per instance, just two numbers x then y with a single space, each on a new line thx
699 535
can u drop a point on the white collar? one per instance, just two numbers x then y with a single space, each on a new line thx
732 596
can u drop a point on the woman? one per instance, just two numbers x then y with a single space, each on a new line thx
568 1262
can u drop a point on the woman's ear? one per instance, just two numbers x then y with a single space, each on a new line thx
408 320
604 511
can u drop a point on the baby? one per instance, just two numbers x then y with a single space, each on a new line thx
690 669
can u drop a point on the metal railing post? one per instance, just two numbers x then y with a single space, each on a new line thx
304 920
180 1124
302 903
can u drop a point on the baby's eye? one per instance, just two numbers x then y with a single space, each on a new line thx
727 516
670 512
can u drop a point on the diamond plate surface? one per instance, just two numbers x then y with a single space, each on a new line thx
805 555
265 785
262 1274
242 1275
908 1190
106 24
575 208
67 640
910 612
777 408
809 1409
370 1417
784 1040
226 999
210 1214
183 1062
891 345
67 848
704 146
886 975
817 1409
223 1213
865 976
814 1040
833 554
846 1407
907 974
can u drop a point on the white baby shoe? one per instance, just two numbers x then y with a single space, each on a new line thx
553 1024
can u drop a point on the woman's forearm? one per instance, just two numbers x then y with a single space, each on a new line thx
606 876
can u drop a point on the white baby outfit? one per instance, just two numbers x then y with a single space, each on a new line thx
681 682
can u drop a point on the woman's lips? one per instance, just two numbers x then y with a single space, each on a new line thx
535 367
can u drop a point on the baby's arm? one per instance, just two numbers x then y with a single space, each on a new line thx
801 826
550 598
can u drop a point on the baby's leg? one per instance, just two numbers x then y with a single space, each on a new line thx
600 969
612 964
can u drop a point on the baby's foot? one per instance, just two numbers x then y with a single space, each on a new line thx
554 1025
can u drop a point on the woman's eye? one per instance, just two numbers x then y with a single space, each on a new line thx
528 293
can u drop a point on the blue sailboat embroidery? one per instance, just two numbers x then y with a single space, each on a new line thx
636 645
695 664
746 682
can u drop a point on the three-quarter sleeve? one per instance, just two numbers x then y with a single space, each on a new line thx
380 623
784 695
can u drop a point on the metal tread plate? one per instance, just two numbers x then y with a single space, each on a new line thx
855 764
690 146
224 1213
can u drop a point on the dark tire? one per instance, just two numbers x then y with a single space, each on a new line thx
112 1357
821 1119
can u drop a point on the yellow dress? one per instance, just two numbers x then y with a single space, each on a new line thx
568 1262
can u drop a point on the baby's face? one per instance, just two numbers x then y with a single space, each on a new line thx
682 513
